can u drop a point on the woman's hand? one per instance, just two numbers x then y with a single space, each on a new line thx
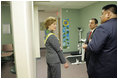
61 48
66 65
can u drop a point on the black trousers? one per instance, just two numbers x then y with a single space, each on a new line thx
87 58
54 70
87 62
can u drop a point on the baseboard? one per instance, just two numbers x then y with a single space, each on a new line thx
72 52
43 48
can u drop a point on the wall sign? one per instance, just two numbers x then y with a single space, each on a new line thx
6 29
65 32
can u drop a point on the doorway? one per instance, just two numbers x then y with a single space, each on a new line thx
8 69
41 66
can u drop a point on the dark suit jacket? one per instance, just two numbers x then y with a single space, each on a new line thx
87 54
86 42
103 48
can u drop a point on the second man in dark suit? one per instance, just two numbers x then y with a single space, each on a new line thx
93 23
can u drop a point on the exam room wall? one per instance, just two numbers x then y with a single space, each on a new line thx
73 16
91 11
6 19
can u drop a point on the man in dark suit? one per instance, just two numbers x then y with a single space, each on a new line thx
103 46
93 23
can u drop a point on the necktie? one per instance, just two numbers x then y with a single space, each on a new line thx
89 35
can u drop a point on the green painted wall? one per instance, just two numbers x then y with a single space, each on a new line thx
80 18
6 19
73 16
91 11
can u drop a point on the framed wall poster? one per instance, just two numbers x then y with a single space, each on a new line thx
65 31
42 26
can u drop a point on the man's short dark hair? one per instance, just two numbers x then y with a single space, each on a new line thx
111 7
96 21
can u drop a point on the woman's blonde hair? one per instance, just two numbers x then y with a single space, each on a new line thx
49 21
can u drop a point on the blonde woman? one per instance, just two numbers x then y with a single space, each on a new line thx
54 55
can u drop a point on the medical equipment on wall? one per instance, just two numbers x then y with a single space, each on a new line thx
79 58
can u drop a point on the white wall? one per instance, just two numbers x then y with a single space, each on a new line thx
23 38
36 40
42 17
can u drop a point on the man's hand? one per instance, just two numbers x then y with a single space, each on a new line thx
84 46
66 65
